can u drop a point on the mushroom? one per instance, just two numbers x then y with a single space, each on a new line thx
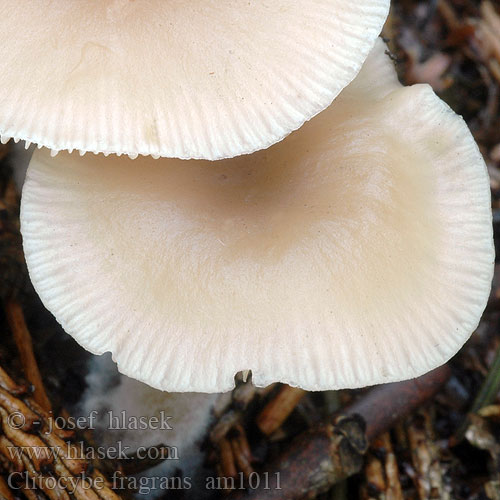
355 252
190 79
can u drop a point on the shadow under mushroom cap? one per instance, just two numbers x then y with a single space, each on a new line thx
357 251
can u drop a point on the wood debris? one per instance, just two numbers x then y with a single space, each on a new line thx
35 455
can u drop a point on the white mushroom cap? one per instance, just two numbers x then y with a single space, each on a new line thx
203 79
117 402
357 251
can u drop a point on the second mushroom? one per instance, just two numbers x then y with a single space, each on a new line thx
357 251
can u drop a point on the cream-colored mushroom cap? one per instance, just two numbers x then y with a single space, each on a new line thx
203 79
357 251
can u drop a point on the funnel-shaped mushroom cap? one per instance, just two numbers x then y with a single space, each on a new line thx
357 251
190 414
179 78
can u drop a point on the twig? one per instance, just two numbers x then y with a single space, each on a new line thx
32 494
384 405
47 485
394 491
40 455
227 461
241 438
9 385
382 473
22 337
50 421
105 490
425 457
448 15
279 409
15 406
314 461
82 489
68 453
55 466
333 450
375 478
6 447
241 459
224 425
5 493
